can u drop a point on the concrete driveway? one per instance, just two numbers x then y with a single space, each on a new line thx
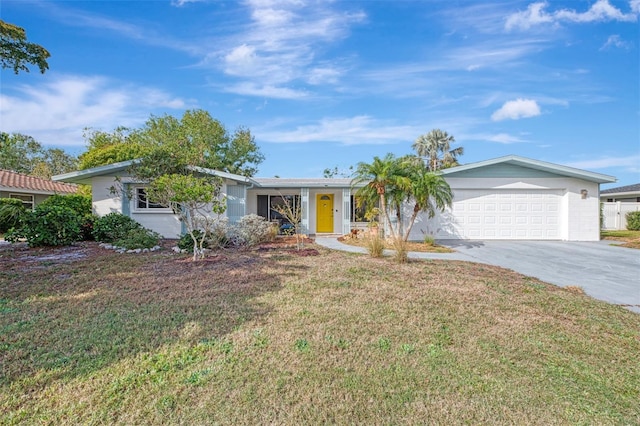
603 271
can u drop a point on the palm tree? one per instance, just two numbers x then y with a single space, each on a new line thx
429 191
381 178
435 147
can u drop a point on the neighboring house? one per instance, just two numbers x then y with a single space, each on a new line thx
625 194
31 190
616 203
505 198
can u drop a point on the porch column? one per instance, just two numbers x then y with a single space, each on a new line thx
304 210
346 211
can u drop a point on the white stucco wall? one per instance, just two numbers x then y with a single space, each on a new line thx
104 202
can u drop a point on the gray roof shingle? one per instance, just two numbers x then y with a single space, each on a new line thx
628 188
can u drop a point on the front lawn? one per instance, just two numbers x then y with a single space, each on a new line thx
88 336
629 239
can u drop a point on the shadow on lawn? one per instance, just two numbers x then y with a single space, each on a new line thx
71 318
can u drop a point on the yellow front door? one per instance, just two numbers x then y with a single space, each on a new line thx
324 212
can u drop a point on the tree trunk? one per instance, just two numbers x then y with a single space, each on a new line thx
416 210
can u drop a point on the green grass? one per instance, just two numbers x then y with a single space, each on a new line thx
630 239
620 234
271 337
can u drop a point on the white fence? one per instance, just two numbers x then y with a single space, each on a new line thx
615 214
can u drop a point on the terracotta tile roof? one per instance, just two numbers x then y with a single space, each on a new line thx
19 181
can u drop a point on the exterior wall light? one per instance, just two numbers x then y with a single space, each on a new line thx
584 193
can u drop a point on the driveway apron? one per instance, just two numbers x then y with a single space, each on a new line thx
603 271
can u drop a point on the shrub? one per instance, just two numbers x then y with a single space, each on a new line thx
429 240
253 229
220 234
87 227
186 242
12 212
81 205
633 221
375 245
139 238
49 226
114 226
401 252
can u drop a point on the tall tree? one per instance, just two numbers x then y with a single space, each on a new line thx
167 145
429 192
193 199
381 178
18 152
16 52
54 161
435 148
23 154
107 148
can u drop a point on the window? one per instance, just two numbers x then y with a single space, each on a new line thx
359 209
27 200
267 203
143 203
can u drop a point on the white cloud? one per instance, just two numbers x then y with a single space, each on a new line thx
504 138
180 3
534 15
56 113
514 110
321 75
280 45
615 41
631 161
358 130
248 88
600 11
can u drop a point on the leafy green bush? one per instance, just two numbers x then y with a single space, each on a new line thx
87 227
48 226
186 242
633 221
139 238
81 204
114 226
12 211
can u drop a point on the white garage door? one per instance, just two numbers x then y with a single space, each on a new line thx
506 214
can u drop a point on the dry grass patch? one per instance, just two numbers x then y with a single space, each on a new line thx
629 239
268 336
361 241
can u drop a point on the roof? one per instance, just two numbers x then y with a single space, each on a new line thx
307 183
84 176
541 166
627 189
31 184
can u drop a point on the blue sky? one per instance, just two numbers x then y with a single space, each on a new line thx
326 84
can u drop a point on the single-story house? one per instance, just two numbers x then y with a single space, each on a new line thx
30 189
504 198
625 194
